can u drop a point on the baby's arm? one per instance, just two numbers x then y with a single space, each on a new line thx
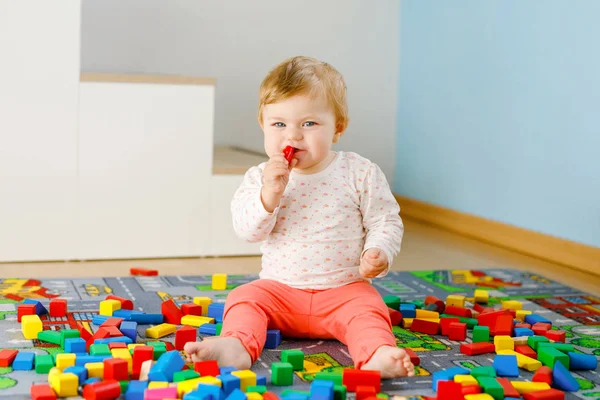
251 221
381 220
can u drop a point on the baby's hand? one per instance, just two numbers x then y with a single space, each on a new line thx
373 262
275 179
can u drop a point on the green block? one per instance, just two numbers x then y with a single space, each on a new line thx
481 334
185 375
335 377
549 356
49 337
100 350
492 387
294 357
564 347
67 334
292 391
124 385
339 392
471 322
282 374
159 348
219 328
483 371
256 389
392 302
533 341
418 303
43 363
382 396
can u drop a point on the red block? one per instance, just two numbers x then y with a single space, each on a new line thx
7 357
169 346
207 368
395 316
458 331
489 318
422 326
550 394
543 374
270 396
191 309
42 392
58 308
449 390
143 272
116 322
113 331
414 358
474 349
117 345
184 335
171 312
440 305
125 304
471 389
540 327
459 311
504 325
557 336
115 368
84 333
105 390
482 309
509 389
25 309
140 354
526 351
523 325
445 324
354 377
364 392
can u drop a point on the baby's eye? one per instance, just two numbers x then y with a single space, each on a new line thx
309 123
278 124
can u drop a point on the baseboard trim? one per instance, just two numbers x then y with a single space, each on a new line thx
539 245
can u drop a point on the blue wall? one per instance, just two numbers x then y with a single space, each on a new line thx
499 111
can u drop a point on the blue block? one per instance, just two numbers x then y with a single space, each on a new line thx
116 339
147 319
261 380
523 332
125 314
447 375
562 379
227 370
273 339
81 361
80 371
322 389
229 383
89 381
506 365
23 361
129 329
208 392
39 307
578 361
135 390
99 319
216 310
196 395
166 365
208 329
408 310
75 345
534 318
295 396
237 394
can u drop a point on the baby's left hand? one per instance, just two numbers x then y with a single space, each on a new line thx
373 262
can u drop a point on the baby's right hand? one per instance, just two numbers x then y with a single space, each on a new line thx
275 178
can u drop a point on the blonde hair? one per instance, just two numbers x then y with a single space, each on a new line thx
305 75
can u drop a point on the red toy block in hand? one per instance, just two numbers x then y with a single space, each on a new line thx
288 153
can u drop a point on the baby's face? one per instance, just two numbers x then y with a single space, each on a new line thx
304 122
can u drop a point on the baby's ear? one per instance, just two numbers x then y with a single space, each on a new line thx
336 137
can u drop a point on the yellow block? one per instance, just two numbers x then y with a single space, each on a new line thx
524 362
247 378
455 300
436 320
254 396
53 374
526 387
521 314
65 385
195 320
503 342
481 296
426 314
65 360
125 355
107 307
95 370
158 385
132 346
219 282
31 325
203 302
407 322
187 386
161 330
465 380
512 305
479 396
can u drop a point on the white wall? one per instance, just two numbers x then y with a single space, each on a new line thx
238 41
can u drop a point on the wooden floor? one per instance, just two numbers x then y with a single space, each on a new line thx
424 248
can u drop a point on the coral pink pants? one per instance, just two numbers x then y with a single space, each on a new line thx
354 314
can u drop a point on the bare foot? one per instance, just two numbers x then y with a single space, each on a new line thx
227 351
392 362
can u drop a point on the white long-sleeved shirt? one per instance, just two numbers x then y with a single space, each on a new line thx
325 221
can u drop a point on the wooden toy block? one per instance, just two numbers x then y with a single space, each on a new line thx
112 322
23 361
506 365
125 355
158 385
100 350
58 308
191 309
353 378
474 349
171 312
7 357
194 320
407 322
282 374
458 331
414 358
423 326
65 360
203 302
65 385
395 316
254 396
143 272
116 369
52 374
564 347
140 354
145 369
247 378
25 309
557 336
426 314
161 330
113 331
43 363
126 304
207 368
219 281
549 356
550 394
459 311
392 302
543 374
116 345
526 387
95 369
481 296
521 314
504 325
465 380
408 310
102 390
481 334
563 380
584 362
512 305
294 357
184 375
491 386
440 306
489 318
483 371
477 396
164 368
42 392
107 307
534 341
31 325
509 389
184 335
455 300
504 343
540 328
365 392
524 362
445 324
520 340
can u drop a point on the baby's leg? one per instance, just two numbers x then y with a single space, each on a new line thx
250 309
357 316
